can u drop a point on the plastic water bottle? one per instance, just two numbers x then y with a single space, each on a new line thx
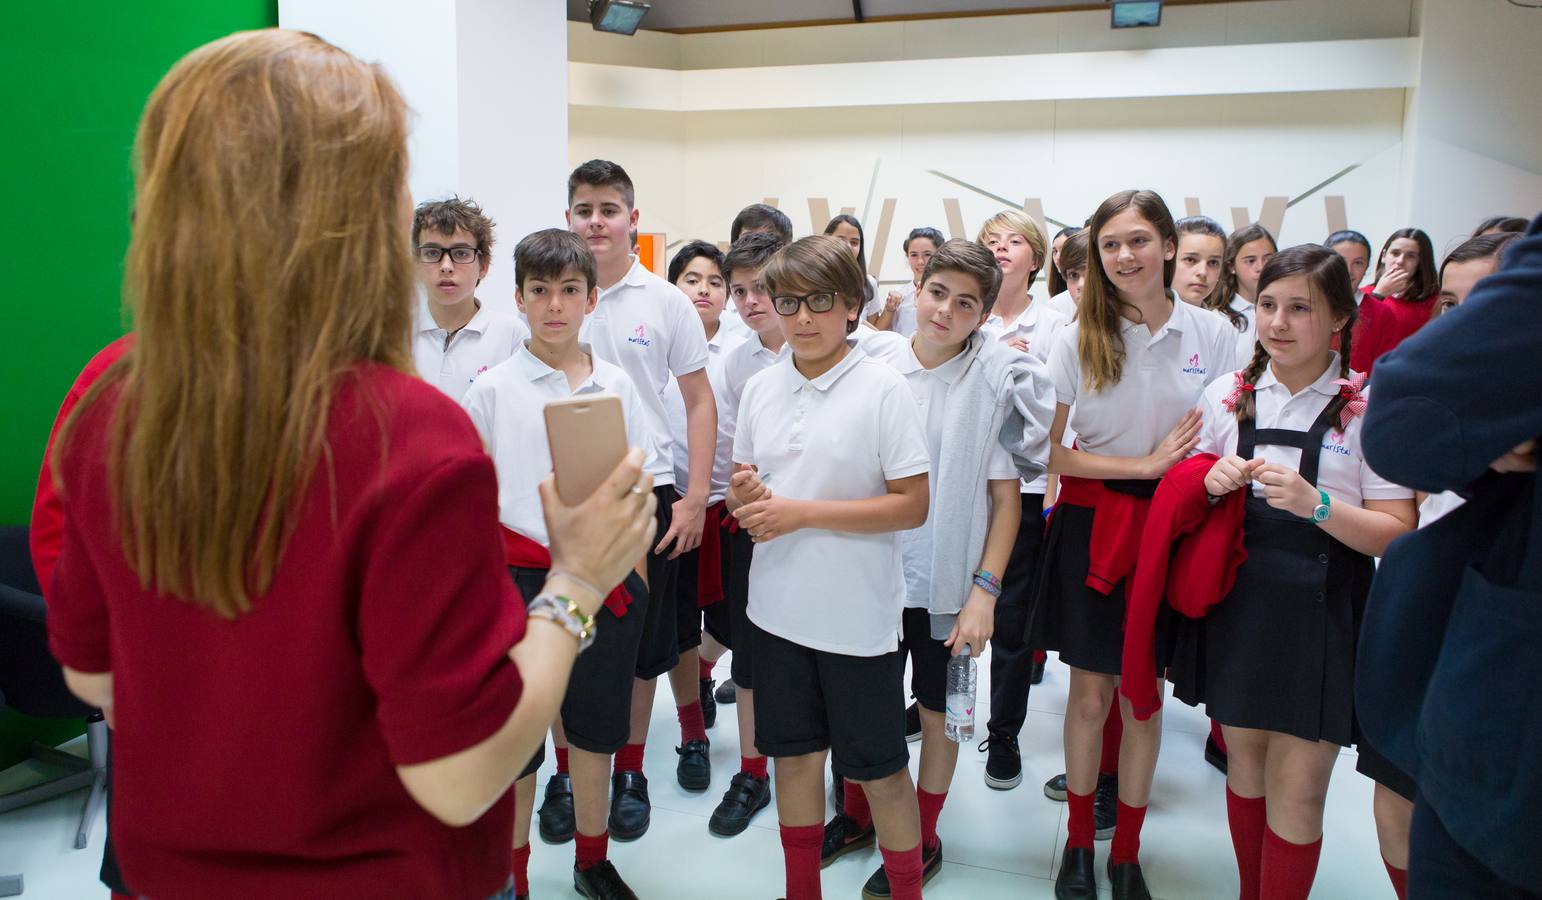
962 672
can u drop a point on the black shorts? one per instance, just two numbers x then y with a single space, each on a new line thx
657 653
809 701
690 616
736 599
928 661
597 707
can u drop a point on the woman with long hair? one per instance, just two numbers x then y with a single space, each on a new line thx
281 575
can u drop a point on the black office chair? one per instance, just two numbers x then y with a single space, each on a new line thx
32 683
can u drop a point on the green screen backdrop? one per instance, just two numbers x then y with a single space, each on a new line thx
77 77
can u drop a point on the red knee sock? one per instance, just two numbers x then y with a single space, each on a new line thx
904 870
753 765
1399 879
1078 824
1216 736
1248 820
562 760
1126 845
630 758
1113 736
1287 869
693 727
590 851
856 804
704 667
521 871
931 808
800 854
1040 657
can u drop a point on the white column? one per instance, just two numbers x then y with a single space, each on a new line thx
487 84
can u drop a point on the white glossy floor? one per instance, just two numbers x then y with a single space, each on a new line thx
997 845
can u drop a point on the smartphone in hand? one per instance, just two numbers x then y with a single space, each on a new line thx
587 437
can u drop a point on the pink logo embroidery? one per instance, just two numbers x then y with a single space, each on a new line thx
640 336
1194 368
477 374
1194 360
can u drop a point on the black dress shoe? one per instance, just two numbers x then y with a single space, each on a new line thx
555 817
913 723
1036 673
1076 880
1127 881
842 836
726 693
1214 755
630 810
746 796
708 703
602 882
694 771
1105 806
877 887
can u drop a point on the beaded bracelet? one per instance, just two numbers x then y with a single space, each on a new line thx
987 582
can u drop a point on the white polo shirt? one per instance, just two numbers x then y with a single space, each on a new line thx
507 407
929 388
1039 325
451 363
838 437
1063 304
1247 338
718 347
1342 470
649 328
1163 376
904 321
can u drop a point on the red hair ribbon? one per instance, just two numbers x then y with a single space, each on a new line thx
1235 397
1354 405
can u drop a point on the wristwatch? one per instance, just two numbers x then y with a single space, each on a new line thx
565 612
1321 512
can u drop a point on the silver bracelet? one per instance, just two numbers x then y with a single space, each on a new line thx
565 612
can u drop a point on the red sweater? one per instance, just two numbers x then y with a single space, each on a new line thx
257 757
46 533
1189 554
1117 522
522 552
1383 324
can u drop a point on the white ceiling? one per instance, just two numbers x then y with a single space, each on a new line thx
693 14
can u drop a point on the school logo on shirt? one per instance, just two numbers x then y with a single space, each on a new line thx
477 374
1194 368
640 336
1333 442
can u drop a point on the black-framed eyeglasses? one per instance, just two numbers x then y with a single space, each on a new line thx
817 302
460 254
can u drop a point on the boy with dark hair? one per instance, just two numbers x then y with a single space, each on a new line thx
455 337
648 328
556 289
761 217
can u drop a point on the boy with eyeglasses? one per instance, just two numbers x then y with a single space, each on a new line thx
455 337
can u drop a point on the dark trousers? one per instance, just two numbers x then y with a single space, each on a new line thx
1011 657
1440 869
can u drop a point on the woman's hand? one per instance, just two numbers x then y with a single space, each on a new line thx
1522 459
1285 489
975 624
1177 445
1393 282
770 518
601 539
1230 473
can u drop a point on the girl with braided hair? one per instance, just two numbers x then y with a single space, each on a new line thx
1274 661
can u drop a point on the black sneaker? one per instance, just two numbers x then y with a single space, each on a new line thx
877 887
555 816
1004 765
708 703
1105 806
913 723
694 771
746 796
1055 788
842 836
630 809
602 882
726 694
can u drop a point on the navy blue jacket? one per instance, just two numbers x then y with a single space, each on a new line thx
1447 402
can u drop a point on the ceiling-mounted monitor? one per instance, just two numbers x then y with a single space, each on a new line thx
1137 13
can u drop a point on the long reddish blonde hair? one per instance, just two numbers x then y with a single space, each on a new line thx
269 257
